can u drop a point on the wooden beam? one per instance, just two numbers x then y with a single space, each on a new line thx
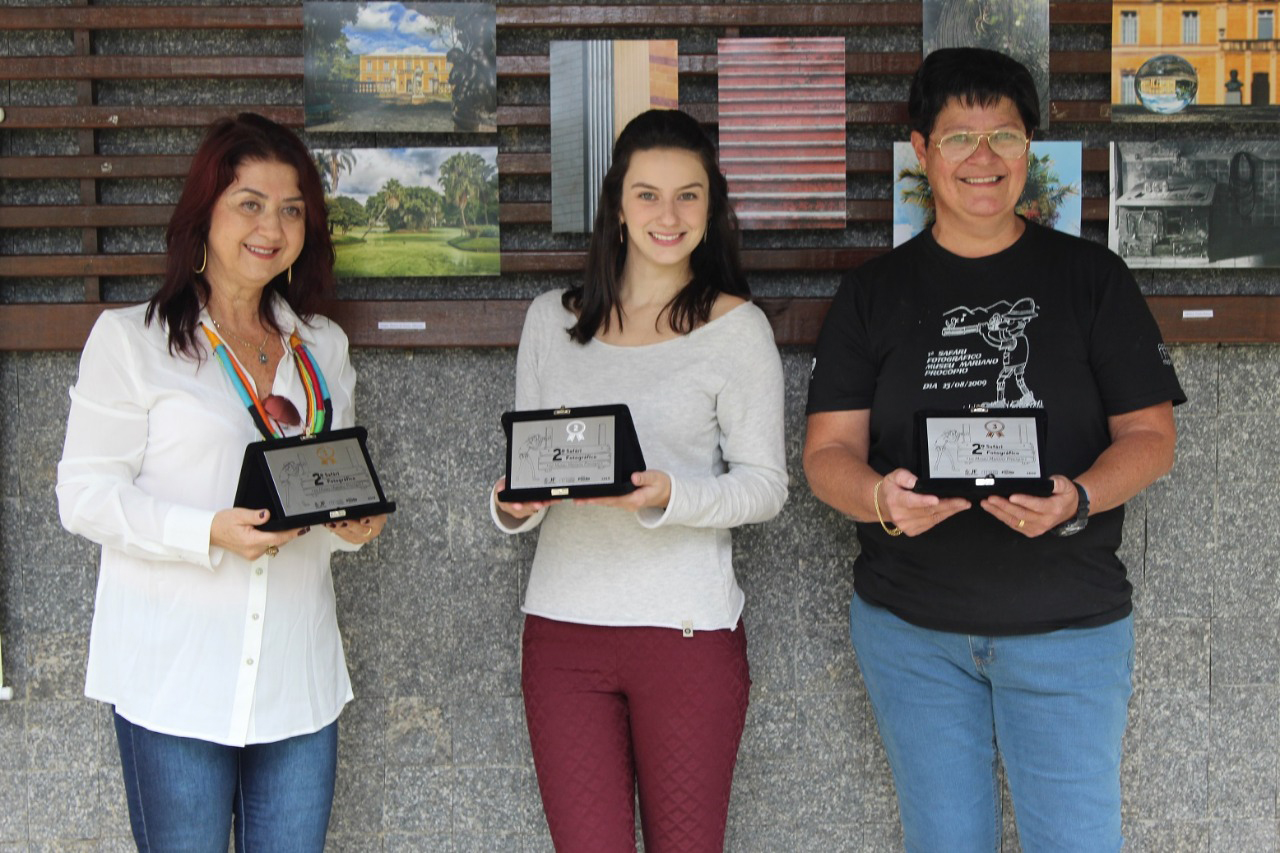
497 322
25 118
151 18
85 216
98 67
96 166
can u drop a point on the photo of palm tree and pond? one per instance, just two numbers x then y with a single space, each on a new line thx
412 212
1050 198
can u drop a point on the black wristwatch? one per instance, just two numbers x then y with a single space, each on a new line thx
1081 521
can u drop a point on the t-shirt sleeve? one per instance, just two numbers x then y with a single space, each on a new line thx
1130 361
842 376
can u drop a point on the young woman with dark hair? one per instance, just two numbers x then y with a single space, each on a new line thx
216 642
634 666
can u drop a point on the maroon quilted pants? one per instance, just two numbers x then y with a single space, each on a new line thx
612 708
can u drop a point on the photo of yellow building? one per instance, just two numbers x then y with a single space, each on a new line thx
1231 44
413 76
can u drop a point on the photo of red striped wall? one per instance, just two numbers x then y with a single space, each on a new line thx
782 130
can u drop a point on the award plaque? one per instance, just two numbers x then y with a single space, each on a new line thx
585 452
972 454
307 480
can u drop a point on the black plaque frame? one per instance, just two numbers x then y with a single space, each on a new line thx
627 459
257 487
977 488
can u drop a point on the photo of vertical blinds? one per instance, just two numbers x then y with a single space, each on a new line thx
782 130
596 88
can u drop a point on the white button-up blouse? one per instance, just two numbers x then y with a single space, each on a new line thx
190 639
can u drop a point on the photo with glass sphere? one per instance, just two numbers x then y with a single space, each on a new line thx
1193 62
1196 203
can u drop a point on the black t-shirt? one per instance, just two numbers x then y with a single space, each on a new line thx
1053 322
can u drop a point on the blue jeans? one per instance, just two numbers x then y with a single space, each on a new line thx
183 792
1053 705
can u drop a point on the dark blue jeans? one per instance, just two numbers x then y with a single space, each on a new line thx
183 792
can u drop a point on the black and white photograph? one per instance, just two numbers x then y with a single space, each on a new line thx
1196 203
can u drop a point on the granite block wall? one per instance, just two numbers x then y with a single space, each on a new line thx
433 752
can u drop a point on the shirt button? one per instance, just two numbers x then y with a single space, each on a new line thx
255 617
258 571
248 662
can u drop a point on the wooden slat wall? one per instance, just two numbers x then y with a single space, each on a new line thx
459 322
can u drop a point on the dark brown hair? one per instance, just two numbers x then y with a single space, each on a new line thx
715 263
229 143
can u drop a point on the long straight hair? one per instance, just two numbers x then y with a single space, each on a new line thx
230 142
715 263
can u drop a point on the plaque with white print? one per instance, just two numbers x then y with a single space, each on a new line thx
981 452
305 480
587 451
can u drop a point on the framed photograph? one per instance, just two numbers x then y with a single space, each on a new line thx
596 88
410 212
400 67
1195 203
782 130
1050 198
1190 62
1017 28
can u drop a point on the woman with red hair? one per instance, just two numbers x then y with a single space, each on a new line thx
215 641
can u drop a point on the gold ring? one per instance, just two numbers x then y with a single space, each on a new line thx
272 550
368 531
1022 522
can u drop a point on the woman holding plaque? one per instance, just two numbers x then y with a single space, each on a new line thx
216 642
634 655
988 624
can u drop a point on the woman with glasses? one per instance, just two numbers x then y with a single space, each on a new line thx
216 642
991 626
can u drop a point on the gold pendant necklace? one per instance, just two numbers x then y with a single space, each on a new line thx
261 348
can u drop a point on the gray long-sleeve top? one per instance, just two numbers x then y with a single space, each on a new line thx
708 411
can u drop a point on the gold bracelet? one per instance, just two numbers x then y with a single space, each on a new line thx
875 498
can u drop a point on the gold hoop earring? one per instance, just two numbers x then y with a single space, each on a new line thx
622 235
204 261
289 276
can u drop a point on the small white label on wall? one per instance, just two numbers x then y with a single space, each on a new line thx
1197 314
401 325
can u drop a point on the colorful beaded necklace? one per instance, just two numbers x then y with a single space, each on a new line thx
319 404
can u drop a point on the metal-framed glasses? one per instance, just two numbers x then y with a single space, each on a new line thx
1008 144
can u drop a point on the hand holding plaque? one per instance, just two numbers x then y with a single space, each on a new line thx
972 454
584 452
307 480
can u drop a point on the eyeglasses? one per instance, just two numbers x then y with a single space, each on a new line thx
1008 144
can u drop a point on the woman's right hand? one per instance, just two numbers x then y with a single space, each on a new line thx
911 513
521 509
235 530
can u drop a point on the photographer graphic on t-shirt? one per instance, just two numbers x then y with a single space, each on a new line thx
1006 331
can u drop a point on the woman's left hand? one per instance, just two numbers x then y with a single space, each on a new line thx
653 489
1032 516
358 532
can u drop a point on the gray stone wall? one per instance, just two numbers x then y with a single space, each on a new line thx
433 752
